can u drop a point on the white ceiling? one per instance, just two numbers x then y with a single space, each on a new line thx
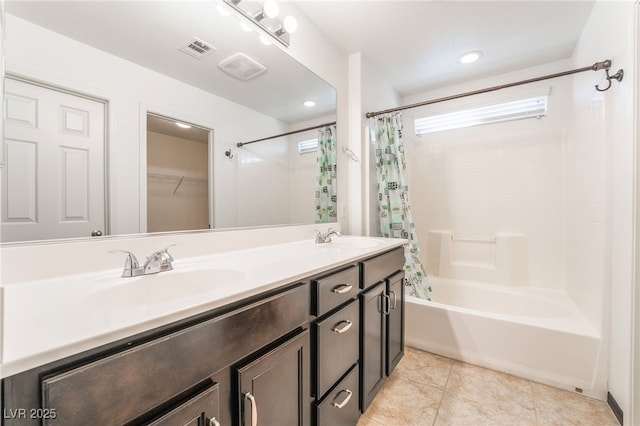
150 32
415 44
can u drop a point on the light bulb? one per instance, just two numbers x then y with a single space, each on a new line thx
265 40
290 24
223 11
248 28
470 57
271 8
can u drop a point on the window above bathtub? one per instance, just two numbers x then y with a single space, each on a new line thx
526 107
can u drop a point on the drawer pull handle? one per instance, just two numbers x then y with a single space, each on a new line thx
393 304
386 304
347 325
254 408
214 422
342 288
345 401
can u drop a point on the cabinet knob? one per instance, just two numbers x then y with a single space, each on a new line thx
345 401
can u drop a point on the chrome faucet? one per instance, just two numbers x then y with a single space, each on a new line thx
158 261
326 238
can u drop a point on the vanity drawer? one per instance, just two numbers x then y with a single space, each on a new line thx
340 407
337 346
333 290
380 267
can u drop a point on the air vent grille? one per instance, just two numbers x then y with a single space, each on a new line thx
197 48
242 66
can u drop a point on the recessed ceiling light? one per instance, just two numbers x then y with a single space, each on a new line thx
184 126
309 104
470 57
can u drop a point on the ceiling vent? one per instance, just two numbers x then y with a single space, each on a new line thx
242 66
197 48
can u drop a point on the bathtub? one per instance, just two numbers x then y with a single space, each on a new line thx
529 332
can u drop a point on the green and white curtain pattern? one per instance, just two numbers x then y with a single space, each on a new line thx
326 184
393 199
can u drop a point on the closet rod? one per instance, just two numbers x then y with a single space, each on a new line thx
239 144
604 65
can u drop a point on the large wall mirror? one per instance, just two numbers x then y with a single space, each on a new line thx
103 100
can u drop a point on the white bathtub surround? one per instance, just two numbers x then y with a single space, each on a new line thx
52 315
500 259
535 333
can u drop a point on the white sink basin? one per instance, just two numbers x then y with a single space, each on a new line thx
167 287
348 242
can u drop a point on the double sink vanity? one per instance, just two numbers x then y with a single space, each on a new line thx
295 333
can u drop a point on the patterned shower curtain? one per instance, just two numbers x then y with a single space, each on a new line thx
326 184
393 199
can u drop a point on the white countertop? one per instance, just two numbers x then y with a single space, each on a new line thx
46 320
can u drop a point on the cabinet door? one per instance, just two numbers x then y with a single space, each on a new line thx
201 410
373 347
273 390
395 321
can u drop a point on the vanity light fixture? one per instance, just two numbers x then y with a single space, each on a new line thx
309 103
266 18
469 57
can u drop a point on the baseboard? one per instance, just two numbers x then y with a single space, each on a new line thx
617 411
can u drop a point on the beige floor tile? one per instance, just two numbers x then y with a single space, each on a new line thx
426 389
424 367
479 396
368 421
405 402
559 407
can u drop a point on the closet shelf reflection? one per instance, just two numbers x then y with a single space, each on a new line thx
177 179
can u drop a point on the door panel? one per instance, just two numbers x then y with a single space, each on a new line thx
286 368
395 321
373 347
53 178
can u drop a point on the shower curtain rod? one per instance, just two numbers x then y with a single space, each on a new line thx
240 144
604 65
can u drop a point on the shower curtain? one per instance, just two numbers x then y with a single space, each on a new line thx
326 185
393 198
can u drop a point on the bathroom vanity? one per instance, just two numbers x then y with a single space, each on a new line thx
289 349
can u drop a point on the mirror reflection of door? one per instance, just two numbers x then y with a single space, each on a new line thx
177 175
53 180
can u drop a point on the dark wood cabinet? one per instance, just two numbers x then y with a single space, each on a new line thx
199 410
395 321
382 321
373 347
312 352
273 390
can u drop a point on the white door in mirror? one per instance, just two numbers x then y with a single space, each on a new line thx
53 181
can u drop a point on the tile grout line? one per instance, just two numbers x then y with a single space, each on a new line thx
444 390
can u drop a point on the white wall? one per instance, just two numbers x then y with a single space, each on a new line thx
368 92
601 142
131 90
